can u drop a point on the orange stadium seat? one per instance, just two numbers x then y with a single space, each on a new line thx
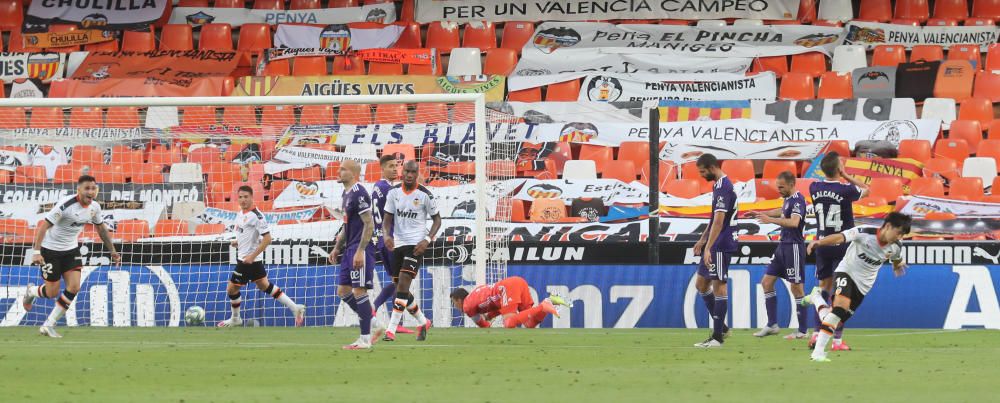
972 188
684 188
389 114
500 61
888 188
547 210
137 41
875 10
12 118
106 46
254 37
309 66
229 4
989 148
777 64
929 53
311 174
216 37
305 4
161 157
919 150
67 173
170 228
739 170
209 229
15 230
873 201
767 189
344 3
969 130
842 147
622 170
596 153
442 36
385 69
987 85
812 63
940 166
986 9
316 115
480 35
430 113
176 37
239 115
888 55
47 117
197 115
126 156
355 114
11 15
834 85
912 9
403 152
84 117
942 22
568 91
516 34
86 154
278 68
635 151
980 109
993 132
978 22
108 173
193 3
968 52
277 115
993 57
953 9
927 186
774 167
204 155
956 149
122 117
30 174
348 66
525 95
410 38
796 86
268 5
425 70
16 43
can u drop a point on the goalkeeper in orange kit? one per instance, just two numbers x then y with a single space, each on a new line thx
509 298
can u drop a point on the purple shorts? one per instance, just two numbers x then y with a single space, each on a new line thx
357 277
828 258
719 270
788 262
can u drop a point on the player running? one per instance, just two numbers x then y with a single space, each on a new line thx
253 235
789 259
56 250
716 247
357 266
870 248
408 206
833 203
509 298
390 173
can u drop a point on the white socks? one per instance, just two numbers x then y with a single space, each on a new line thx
284 300
57 313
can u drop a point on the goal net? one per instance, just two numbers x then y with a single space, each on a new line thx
168 170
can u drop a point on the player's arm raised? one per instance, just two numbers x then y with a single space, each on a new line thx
850 179
102 231
366 237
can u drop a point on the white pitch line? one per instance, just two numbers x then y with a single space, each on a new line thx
46 345
911 333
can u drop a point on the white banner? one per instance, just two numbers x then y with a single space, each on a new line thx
823 110
612 191
34 211
873 33
536 68
43 66
727 41
214 215
336 37
384 13
746 192
706 87
546 112
287 158
724 150
921 205
319 193
579 10
10 160
95 14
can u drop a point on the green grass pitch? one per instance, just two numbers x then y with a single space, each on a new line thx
492 365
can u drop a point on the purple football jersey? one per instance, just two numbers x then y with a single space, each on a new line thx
379 191
832 202
794 204
724 200
355 202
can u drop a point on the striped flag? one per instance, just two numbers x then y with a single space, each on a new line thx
683 111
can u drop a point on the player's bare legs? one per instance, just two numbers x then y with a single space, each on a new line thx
235 300
275 292
72 279
832 317
50 289
825 290
405 301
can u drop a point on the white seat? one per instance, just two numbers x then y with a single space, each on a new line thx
846 58
747 22
980 167
465 62
368 151
940 108
580 169
835 10
185 172
711 23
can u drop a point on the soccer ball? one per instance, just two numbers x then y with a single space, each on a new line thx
194 316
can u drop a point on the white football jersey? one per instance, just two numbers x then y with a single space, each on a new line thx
866 256
68 217
410 213
250 227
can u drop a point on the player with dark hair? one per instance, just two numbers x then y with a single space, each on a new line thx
870 248
357 267
716 247
789 259
408 207
56 250
509 298
253 235
380 190
833 202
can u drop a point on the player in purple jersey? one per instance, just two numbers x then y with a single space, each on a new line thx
716 247
357 266
833 203
789 259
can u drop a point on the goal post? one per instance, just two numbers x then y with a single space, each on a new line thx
168 171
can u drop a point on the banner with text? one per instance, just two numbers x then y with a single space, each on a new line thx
115 15
491 85
822 110
170 66
580 10
43 66
707 87
137 87
872 34
921 205
384 13
867 169
611 191
336 37
214 215
681 152
50 39
287 158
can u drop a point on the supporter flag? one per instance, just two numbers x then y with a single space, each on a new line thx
43 66
683 111
257 85
865 169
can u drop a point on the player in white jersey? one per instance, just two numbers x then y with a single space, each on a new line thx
408 206
57 252
870 248
252 237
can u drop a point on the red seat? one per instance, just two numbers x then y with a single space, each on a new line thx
767 189
385 69
875 10
131 230
170 228
953 9
355 114
254 37
684 188
942 22
15 230
525 95
277 115
11 15
777 64
198 116
796 86
841 147
978 22
990 148
311 174
888 188
176 37
500 61
390 114
230 4
108 173
834 85
622 170
812 63
480 35
83 117
919 150
980 109
12 118
193 3
205 155
596 153
969 130
137 41
316 115
442 36
410 38
956 149
986 9
927 52
87 155
888 55
280 67
912 9
348 66
30 174
126 156
239 116
928 186
344 3
739 170
106 46
46 117
268 5
993 57
968 187
163 157
516 34
309 66
943 167
774 167
568 91
635 151
966 52
305 4
216 37
404 152
430 112
987 85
